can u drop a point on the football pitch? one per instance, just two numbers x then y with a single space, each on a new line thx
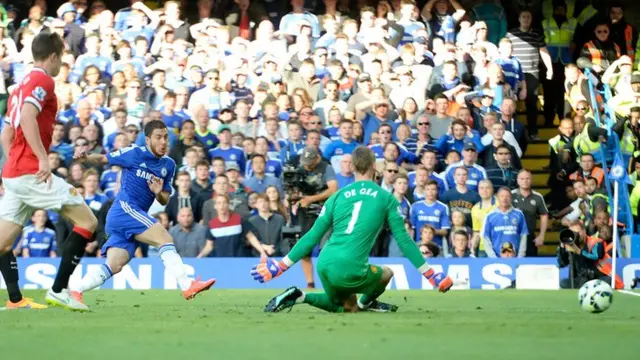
231 324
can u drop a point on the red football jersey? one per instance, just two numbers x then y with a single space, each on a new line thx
37 88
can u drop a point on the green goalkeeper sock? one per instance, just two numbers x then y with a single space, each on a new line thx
367 298
322 301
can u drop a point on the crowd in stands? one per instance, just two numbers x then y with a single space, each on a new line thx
247 87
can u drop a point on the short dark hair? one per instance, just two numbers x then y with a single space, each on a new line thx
188 121
153 125
183 173
461 232
46 44
363 159
217 158
202 163
503 146
255 156
431 182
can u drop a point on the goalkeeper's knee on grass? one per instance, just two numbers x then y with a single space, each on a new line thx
367 298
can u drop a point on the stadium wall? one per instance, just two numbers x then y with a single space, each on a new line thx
233 273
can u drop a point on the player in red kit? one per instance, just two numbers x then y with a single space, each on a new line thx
28 181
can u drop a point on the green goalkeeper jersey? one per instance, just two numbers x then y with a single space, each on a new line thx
357 214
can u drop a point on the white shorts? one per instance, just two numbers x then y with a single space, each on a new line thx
23 195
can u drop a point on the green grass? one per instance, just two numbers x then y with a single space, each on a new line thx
225 324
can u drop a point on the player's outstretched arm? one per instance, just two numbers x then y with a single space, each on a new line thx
410 250
269 268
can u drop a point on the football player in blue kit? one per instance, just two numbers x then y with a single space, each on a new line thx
147 174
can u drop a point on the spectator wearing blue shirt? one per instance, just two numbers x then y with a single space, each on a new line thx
38 240
345 176
138 25
92 57
294 145
65 150
460 198
225 150
475 171
260 181
406 21
432 212
371 121
273 166
125 57
91 196
422 141
108 181
385 137
511 68
429 163
290 24
346 145
504 230
458 136
214 98
440 22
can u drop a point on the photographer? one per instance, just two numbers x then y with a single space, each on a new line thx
588 257
316 183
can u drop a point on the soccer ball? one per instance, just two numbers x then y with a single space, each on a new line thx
595 296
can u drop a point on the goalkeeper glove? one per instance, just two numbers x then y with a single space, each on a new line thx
267 270
438 280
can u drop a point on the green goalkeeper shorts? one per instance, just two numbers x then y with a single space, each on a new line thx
341 280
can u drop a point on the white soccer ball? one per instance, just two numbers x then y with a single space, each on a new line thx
595 296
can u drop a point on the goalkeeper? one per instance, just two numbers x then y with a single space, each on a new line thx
357 213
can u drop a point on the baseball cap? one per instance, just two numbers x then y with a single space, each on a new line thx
65 8
635 77
469 145
309 154
223 128
364 77
232 166
225 110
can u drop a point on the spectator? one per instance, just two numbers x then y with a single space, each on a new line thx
225 150
268 226
38 240
461 198
187 139
237 202
422 141
458 136
502 173
532 205
91 197
228 232
431 212
184 197
505 225
342 147
588 169
189 237
507 110
440 121
202 179
478 213
601 50
260 180
475 172
496 133
345 176
460 245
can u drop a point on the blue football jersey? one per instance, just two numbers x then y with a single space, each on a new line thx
96 201
476 173
231 155
39 243
442 185
273 168
139 166
108 182
502 227
378 151
435 214
336 150
333 133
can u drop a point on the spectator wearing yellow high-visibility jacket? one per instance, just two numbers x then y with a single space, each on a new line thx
623 102
618 75
628 131
559 30
588 138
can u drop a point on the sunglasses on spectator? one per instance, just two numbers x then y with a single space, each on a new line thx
424 123
581 108
314 123
385 132
393 171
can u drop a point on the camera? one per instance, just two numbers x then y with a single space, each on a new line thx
567 236
292 182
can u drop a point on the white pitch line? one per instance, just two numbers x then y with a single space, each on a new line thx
628 292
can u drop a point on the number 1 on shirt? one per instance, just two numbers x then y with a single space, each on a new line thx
354 217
